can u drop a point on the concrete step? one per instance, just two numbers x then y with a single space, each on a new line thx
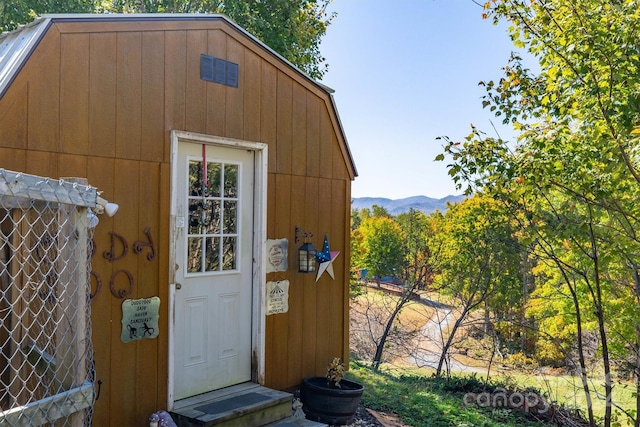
244 405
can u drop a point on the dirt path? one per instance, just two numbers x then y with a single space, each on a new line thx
433 336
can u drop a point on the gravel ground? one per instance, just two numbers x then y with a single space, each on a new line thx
368 418
363 418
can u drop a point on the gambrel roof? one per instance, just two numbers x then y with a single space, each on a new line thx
16 47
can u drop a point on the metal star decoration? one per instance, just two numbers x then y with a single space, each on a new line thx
325 259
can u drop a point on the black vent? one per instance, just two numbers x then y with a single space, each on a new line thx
232 74
218 70
206 68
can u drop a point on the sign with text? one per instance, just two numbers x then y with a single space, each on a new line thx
140 318
277 253
277 297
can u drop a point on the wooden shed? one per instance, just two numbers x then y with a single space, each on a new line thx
222 157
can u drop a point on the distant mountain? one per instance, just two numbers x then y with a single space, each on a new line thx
398 206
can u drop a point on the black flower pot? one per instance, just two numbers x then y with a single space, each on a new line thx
329 404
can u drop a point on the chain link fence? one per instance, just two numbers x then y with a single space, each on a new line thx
46 372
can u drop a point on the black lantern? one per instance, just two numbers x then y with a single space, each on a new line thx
306 253
307 258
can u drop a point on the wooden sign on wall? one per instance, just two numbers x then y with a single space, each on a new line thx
277 297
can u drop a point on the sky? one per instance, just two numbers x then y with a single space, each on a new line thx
405 72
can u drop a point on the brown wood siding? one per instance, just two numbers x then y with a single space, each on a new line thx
43 100
297 326
298 130
277 351
234 114
13 159
325 340
123 363
216 94
102 170
312 292
347 262
313 135
128 95
196 88
148 283
268 112
102 85
326 146
153 63
74 93
13 117
251 107
99 100
175 93
284 126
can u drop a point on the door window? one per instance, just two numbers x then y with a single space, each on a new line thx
212 233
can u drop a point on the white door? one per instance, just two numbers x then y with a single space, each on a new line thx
214 229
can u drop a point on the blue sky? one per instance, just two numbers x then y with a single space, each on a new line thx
405 72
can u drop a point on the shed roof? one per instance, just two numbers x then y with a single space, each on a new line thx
16 47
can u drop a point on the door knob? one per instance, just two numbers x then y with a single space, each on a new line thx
178 286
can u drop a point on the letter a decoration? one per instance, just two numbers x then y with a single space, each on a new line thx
325 259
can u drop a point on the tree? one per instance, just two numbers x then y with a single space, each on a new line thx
572 177
417 267
399 246
479 259
17 12
293 28
380 212
382 246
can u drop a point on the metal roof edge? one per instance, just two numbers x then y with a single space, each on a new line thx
344 136
16 47
68 17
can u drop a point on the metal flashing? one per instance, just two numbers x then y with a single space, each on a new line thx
15 48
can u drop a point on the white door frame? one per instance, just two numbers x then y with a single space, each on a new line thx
258 326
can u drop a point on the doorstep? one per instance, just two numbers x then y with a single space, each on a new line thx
242 405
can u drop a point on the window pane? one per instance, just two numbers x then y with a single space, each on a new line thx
230 217
212 217
195 216
212 259
194 256
195 178
229 253
231 180
214 179
213 224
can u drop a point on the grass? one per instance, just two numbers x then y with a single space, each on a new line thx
421 400
567 390
428 401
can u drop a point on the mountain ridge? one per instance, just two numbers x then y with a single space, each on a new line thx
399 206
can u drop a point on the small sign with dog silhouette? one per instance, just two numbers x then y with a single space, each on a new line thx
140 318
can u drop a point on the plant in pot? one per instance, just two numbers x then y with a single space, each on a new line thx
331 399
